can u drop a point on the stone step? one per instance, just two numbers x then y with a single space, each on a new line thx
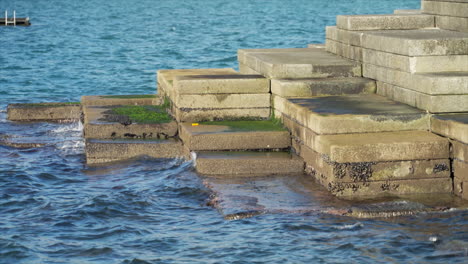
384 22
452 23
248 163
134 99
344 50
101 123
432 83
56 112
222 101
298 63
321 86
352 38
421 42
221 84
352 114
234 135
431 103
445 8
206 114
165 78
454 126
101 151
316 46
407 11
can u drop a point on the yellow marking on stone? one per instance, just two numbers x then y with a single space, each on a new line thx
195 124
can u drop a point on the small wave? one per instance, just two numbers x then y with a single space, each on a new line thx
354 226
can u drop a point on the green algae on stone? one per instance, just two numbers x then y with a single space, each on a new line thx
131 96
245 125
144 114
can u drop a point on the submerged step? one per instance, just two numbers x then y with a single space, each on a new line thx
101 151
248 163
58 112
143 122
352 114
385 22
134 99
234 135
321 86
298 63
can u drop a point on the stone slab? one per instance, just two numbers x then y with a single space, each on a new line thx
353 38
217 101
421 42
344 50
407 11
100 151
316 46
374 171
452 23
454 126
300 134
460 188
321 86
217 137
248 163
352 114
56 112
244 69
439 83
460 170
199 115
431 103
384 22
221 84
444 8
384 146
459 151
450 63
165 78
299 63
105 100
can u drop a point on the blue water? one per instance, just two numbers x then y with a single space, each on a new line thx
55 209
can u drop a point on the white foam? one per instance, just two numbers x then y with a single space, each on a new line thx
348 227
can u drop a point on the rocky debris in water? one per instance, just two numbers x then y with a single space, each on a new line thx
20 145
391 209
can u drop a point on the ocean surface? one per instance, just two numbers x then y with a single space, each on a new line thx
56 209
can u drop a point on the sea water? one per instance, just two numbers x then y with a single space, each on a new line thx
56 209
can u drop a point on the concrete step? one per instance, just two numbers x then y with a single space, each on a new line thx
431 83
298 63
234 135
454 126
248 163
55 112
457 8
351 114
344 50
165 78
134 99
222 101
321 86
421 42
206 114
407 11
101 123
101 151
221 84
452 23
385 22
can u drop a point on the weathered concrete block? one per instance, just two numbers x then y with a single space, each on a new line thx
452 23
199 115
221 84
460 188
444 8
440 83
431 103
407 11
321 86
421 42
385 146
417 64
244 69
460 170
216 101
165 78
384 22
100 151
454 126
57 112
375 171
344 50
248 163
300 133
352 114
105 100
299 63
353 38
459 151
219 137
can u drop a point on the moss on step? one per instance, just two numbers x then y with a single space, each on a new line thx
130 96
142 114
246 125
